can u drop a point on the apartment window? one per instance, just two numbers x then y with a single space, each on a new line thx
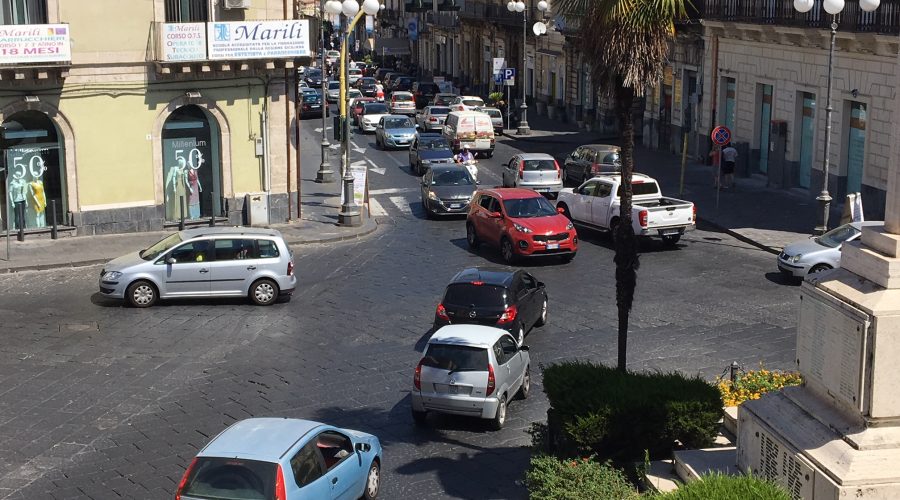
23 12
807 131
186 11
730 101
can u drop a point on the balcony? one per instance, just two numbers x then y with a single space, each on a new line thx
492 12
885 20
442 19
35 52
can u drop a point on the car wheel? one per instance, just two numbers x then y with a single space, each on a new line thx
373 481
520 337
565 177
500 417
818 268
141 293
264 292
543 319
471 236
420 417
489 154
671 240
506 250
565 210
525 388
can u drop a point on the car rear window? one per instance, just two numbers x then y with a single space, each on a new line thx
375 108
463 294
473 102
609 158
458 358
439 111
493 113
641 188
334 85
367 81
401 98
231 478
310 97
535 165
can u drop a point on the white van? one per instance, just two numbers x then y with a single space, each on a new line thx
470 128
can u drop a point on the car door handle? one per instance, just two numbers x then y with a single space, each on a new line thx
204 270
251 268
334 481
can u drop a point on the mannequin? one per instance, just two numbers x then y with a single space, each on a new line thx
175 189
37 198
194 188
18 189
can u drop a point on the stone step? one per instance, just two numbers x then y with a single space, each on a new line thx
729 419
691 464
661 477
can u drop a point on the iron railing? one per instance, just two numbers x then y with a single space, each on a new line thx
884 20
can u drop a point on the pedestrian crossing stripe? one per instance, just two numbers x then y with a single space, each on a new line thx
402 204
375 208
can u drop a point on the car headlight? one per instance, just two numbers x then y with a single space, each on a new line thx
521 228
111 276
570 226
432 196
795 259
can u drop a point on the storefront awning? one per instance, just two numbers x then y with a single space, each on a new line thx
392 46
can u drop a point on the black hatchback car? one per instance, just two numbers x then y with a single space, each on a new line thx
511 300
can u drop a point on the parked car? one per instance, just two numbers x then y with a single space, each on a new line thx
512 300
428 150
311 105
353 75
447 189
368 86
284 459
470 370
469 129
466 103
370 115
443 99
424 92
596 204
496 118
334 91
432 117
521 223
394 131
356 107
590 160
204 262
819 253
537 171
402 104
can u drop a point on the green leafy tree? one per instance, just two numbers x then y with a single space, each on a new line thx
628 41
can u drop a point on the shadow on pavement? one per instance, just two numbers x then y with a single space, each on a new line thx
780 278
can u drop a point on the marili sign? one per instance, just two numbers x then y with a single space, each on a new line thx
182 42
35 43
258 39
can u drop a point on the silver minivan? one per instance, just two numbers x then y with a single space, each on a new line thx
537 171
204 262
470 370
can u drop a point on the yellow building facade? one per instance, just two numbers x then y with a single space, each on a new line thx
121 116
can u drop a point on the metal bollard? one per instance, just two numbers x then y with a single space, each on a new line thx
20 217
247 221
53 233
212 218
735 367
181 209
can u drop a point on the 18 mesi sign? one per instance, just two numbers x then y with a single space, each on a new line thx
32 43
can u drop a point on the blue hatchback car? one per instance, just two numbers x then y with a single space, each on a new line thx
284 459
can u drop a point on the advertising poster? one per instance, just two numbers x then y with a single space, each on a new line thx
412 28
26 190
183 42
359 172
258 39
186 171
370 25
29 43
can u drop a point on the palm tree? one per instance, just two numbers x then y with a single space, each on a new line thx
627 41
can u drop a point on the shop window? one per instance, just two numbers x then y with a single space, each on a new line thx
35 180
187 11
23 11
191 172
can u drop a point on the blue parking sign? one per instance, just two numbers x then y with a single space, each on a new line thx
498 78
509 73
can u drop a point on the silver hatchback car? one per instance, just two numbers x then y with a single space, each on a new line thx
470 370
537 171
205 262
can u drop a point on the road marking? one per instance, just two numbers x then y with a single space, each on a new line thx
402 204
375 208
375 168
398 162
374 192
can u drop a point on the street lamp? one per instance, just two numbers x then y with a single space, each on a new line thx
519 6
350 214
325 174
833 7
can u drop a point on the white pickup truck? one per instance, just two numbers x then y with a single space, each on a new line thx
595 203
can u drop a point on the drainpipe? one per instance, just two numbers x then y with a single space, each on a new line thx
287 119
715 81
267 174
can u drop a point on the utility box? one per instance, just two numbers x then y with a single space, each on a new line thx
258 209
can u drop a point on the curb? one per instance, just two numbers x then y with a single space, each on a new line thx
547 139
47 267
366 229
738 236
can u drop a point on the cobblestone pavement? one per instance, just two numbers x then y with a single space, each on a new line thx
102 401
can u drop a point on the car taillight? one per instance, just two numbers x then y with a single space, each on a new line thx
595 168
184 479
442 312
508 316
492 382
290 271
695 214
417 378
642 218
432 119
521 169
558 171
280 493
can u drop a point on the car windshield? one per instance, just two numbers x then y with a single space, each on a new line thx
455 177
640 188
440 111
473 102
457 358
837 236
397 123
161 246
466 294
334 85
535 165
375 108
367 81
434 144
313 72
529 207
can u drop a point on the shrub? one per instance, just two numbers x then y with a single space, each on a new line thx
550 478
754 383
599 410
723 487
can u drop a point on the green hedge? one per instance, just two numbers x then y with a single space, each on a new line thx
722 487
599 410
550 478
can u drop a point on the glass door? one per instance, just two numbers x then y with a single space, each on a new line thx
807 129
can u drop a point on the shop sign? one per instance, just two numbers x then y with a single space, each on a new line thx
182 42
33 43
258 39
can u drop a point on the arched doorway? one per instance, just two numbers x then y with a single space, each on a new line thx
191 168
34 157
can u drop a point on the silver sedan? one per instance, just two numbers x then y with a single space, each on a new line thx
819 253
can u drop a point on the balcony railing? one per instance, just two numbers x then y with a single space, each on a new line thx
884 20
492 12
444 19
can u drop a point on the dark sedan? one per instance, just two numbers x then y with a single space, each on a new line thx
312 105
428 150
368 86
313 77
447 190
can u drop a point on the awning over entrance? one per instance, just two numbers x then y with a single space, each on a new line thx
392 46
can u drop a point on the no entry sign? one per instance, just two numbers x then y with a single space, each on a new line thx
720 135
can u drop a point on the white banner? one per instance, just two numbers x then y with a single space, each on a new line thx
32 43
258 39
182 42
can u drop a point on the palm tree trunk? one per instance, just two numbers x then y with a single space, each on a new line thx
626 258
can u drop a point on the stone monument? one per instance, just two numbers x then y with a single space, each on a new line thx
838 435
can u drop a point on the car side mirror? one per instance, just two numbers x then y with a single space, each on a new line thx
496 215
477 183
540 284
560 210
363 447
524 348
170 260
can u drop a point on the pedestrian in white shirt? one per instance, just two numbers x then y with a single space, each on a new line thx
729 157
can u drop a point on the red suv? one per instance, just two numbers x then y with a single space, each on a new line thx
520 222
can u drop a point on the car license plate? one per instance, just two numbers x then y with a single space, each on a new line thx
670 232
552 246
452 389
541 190
455 205
482 144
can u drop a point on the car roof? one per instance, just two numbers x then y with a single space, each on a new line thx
602 147
534 156
488 275
402 93
513 193
259 438
471 97
467 335
228 231
430 135
616 175
448 167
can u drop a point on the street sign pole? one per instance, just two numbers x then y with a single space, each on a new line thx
508 107
720 137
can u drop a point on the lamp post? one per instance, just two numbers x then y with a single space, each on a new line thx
350 214
519 6
325 174
833 7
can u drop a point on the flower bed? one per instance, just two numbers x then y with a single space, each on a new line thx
754 383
